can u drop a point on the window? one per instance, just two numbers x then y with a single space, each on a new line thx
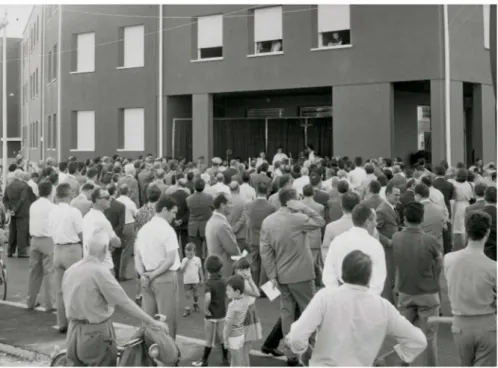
37 29
131 129
133 47
210 37
49 71
36 82
54 131
333 25
486 13
54 63
268 30
83 130
49 132
85 52
37 134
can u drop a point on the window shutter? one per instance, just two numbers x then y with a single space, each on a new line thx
210 31
268 24
134 129
86 52
134 46
86 130
333 18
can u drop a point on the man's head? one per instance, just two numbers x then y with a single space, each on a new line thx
97 244
396 170
414 213
411 184
477 226
62 167
220 178
308 191
130 170
87 189
124 190
92 174
246 177
153 193
364 217
45 188
349 201
285 182
421 192
439 170
166 208
63 193
221 203
480 189
101 199
72 167
287 195
427 180
199 185
262 189
234 187
369 169
213 264
264 167
305 171
342 187
490 195
358 161
392 193
357 268
160 174
374 187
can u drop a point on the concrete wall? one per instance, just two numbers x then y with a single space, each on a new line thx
363 120
388 44
202 125
488 105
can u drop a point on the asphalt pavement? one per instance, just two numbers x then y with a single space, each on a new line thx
191 329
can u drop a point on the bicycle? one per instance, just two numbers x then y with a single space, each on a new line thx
3 274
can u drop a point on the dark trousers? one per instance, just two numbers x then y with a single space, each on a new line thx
200 246
276 334
19 235
447 239
116 259
183 239
258 273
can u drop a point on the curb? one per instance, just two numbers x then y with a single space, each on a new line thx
23 353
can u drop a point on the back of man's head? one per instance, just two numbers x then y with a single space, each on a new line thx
262 189
92 173
361 214
349 201
480 189
374 187
357 268
234 187
343 187
199 185
220 199
422 190
490 195
477 225
427 180
286 195
72 167
160 174
89 187
284 181
45 188
220 178
315 178
414 213
358 161
308 191
63 191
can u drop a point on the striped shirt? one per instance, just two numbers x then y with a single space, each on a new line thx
236 313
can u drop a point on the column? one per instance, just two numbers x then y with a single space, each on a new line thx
457 123
363 120
175 107
488 108
477 137
202 126
438 148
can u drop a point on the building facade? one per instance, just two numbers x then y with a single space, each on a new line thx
237 80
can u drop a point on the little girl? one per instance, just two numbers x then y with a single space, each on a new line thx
252 324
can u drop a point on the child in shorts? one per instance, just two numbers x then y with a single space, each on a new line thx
192 276
234 333
214 310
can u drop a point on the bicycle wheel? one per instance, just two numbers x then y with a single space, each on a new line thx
3 281
59 360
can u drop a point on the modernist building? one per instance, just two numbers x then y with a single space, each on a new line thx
352 80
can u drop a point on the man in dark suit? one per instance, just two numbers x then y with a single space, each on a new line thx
398 179
17 199
374 200
200 210
261 177
230 172
407 197
388 222
479 190
334 205
257 211
145 177
448 189
116 215
181 222
490 209
320 196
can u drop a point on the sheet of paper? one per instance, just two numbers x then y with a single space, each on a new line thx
236 258
271 292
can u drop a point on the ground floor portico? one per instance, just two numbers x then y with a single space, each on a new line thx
370 120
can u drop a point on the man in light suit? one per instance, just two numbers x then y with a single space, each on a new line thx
434 216
237 215
407 196
374 200
220 239
257 211
199 206
388 223
287 258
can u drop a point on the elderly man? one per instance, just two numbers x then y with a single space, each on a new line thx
237 215
220 239
132 183
364 319
157 261
286 256
91 294
300 182
219 187
82 202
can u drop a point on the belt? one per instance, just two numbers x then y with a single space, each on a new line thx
68 243
87 322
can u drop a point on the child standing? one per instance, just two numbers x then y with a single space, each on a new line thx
192 276
214 310
233 333
252 324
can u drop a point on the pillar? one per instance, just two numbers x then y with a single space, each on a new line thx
438 148
457 123
174 107
488 108
477 137
202 126
363 120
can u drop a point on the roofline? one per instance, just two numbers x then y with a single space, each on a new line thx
30 14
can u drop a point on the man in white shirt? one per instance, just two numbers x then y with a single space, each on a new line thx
301 182
280 156
41 256
82 202
157 261
247 192
358 175
33 184
66 228
95 220
219 187
128 231
363 318
357 238
435 195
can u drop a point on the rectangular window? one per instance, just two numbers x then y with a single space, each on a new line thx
210 37
49 132
85 54
486 13
37 29
268 30
54 63
54 131
334 27
37 134
84 130
49 68
131 129
36 81
133 47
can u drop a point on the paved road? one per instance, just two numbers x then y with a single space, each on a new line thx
193 326
11 361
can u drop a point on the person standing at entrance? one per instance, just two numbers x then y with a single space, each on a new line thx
157 261
41 260
66 227
128 231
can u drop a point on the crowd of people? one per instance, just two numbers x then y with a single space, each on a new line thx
373 237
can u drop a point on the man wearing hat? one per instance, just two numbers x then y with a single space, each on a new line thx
418 261
215 167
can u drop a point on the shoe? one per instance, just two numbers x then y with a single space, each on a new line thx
293 362
196 308
225 361
35 306
274 352
200 363
138 300
63 330
186 313
10 255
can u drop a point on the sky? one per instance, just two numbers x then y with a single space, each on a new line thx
18 17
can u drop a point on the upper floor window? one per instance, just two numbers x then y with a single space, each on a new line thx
49 68
334 25
85 53
54 63
268 30
486 13
83 130
131 129
210 37
133 47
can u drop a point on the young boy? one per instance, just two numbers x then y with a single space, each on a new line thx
214 310
233 333
192 276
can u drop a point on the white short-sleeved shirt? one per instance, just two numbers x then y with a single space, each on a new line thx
65 224
39 217
92 221
191 271
154 240
131 209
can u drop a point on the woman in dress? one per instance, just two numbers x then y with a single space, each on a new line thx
462 196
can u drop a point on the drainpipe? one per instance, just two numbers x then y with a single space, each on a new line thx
447 90
59 84
160 91
42 85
